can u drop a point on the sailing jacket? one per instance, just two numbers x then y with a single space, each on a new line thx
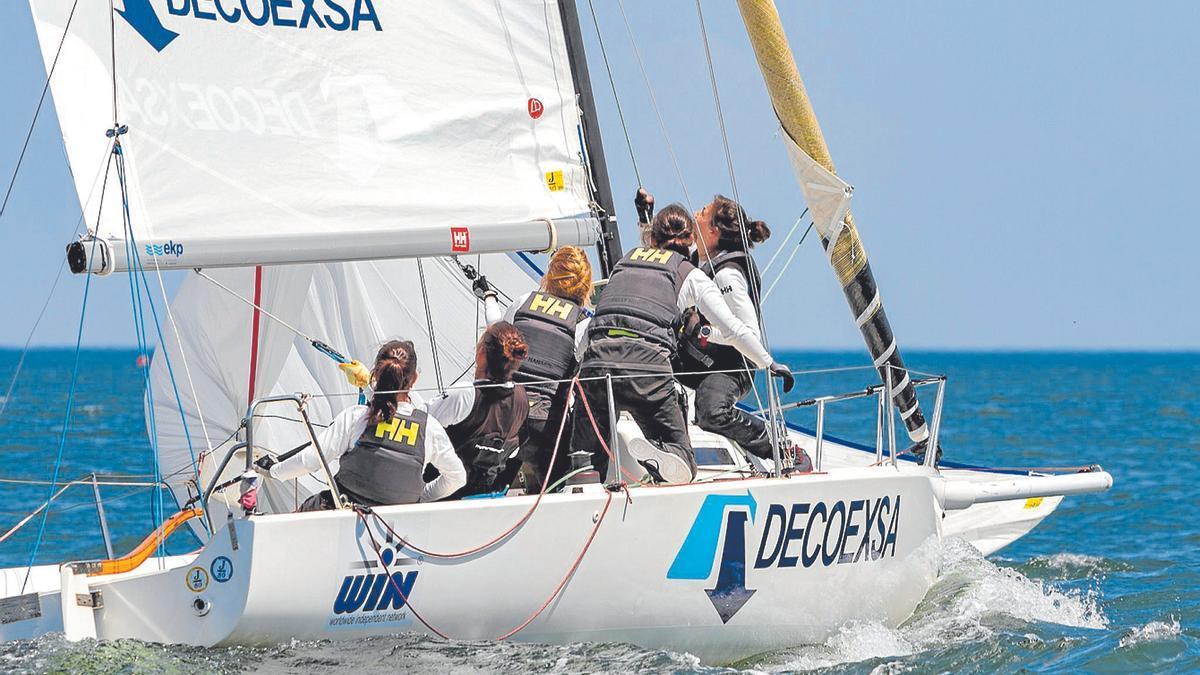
736 275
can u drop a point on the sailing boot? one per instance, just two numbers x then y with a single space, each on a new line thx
663 466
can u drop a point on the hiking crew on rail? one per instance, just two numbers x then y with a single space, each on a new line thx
718 373
635 334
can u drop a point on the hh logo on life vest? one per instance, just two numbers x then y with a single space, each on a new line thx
401 431
549 305
653 255
338 15
804 534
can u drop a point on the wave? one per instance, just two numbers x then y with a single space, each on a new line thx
1155 631
973 601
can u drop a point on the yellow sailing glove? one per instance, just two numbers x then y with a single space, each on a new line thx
356 373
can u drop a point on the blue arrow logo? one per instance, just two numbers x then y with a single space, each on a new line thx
140 15
695 557
730 592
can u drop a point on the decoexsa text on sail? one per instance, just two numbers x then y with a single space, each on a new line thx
332 14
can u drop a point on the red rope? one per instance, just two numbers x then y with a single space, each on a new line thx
557 589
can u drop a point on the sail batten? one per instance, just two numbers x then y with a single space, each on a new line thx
413 118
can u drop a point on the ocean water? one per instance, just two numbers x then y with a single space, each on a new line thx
1108 583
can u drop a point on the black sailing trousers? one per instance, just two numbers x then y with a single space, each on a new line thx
717 395
650 398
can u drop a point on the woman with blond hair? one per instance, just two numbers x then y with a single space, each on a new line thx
553 320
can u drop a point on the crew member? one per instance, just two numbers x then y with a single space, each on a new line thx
718 373
485 419
633 338
384 446
553 320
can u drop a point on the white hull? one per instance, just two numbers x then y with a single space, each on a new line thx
288 570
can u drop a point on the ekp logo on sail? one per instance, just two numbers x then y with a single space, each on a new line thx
335 15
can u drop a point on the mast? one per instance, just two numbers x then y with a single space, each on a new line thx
827 195
609 246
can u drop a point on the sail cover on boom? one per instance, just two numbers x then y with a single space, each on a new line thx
263 132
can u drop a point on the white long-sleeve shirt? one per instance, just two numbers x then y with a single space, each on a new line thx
340 436
735 289
702 293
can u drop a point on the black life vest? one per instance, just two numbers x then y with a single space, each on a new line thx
725 357
489 435
547 323
641 299
386 464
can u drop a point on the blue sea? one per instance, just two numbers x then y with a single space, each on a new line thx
1109 582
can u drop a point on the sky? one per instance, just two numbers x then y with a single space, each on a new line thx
1024 171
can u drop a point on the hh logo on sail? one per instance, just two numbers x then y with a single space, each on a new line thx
370 599
804 534
338 15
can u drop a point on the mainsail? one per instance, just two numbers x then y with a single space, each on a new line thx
256 133
261 132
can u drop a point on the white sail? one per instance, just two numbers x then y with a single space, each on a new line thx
353 307
264 132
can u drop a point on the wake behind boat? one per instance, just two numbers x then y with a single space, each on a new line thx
327 204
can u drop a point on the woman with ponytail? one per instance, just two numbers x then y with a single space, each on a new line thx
553 320
718 372
486 418
384 446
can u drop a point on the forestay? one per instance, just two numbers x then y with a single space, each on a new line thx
266 132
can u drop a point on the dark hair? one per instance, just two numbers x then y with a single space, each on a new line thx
728 216
673 229
395 369
500 351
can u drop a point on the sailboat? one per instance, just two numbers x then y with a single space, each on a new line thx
335 173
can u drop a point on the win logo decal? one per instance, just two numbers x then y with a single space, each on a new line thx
168 249
793 536
335 15
377 598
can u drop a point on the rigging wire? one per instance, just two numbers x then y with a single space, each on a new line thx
662 126
787 263
139 320
437 364
38 110
62 441
786 239
613 84
774 426
12 384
